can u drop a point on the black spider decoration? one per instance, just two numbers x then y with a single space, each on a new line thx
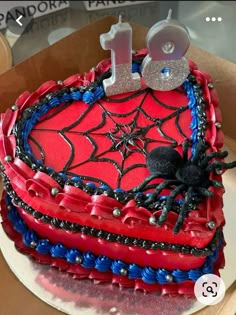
189 176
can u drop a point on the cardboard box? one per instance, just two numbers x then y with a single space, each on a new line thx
81 50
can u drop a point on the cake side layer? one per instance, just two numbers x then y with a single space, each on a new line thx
139 228
153 258
35 217
30 242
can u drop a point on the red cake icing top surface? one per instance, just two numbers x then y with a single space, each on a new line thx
109 139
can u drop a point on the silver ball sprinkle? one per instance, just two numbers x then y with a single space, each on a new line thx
8 158
33 244
210 85
9 207
94 69
60 82
116 212
211 225
218 125
123 272
152 220
54 191
219 171
78 260
14 108
169 278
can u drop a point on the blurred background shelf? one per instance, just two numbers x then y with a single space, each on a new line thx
216 37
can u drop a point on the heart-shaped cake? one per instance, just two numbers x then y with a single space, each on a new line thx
125 188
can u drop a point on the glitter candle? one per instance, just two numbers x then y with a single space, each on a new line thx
119 41
165 67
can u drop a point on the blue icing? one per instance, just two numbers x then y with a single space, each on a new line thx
63 175
88 97
180 275
117 265
55 101
76 179
58 250
194 274
179 201
43 247
104 187
91 185
99 93
135 271
8 200
208 269
13 215
50 169
194 123
103 263
161 276
65 98
29 237
20 227
44 108
19 224
88 260
72 254
76 96
163 198
118 190
135 68
149 275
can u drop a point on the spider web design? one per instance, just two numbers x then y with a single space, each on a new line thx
128 135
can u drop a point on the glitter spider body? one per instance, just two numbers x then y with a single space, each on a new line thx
190 177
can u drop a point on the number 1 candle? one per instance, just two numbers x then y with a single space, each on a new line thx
119 41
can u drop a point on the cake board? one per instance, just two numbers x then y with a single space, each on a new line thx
83 297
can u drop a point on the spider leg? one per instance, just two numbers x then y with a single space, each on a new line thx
201 147
144 183
216 183
159 188
118 144
170 201
183 210
212 155
185 150
205 192
220 165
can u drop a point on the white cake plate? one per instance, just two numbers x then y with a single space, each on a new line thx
29 273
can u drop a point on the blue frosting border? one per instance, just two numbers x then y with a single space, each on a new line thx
103 263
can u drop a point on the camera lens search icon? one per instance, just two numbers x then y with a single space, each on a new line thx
209 289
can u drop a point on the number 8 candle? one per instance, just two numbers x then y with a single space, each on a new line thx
119 41
165 67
